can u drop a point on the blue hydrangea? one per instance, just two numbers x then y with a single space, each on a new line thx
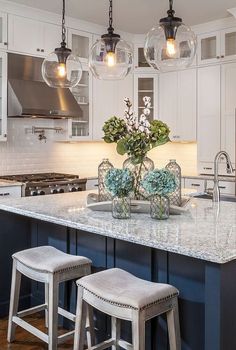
159 182
119 182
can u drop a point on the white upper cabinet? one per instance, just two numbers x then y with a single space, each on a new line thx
32 37
3 30
228 108
217 46
80 42
178 105
208 113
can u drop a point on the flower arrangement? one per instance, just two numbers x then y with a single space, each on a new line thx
135 136
159 182
119 182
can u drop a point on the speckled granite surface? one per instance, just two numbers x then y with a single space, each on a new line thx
203 232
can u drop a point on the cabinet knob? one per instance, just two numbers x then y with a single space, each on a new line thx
218 57
222 56
38 50
42 50
5 43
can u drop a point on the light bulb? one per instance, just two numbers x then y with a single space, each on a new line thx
171 47
111 59
61 70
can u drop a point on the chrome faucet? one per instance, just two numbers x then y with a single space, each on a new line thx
229 169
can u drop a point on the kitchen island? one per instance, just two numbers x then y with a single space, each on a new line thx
196 252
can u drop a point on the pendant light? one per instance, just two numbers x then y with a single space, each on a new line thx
62 69
111 58
171 45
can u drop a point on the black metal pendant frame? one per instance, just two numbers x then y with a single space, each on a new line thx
63 52
110 38
170 24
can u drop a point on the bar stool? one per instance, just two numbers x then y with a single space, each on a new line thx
125 297
50 266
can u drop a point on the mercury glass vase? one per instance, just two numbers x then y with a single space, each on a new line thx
159 207
121 207
175 197
103 168
139 170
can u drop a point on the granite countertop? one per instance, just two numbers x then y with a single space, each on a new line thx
204 232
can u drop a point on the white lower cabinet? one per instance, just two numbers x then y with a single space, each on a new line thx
196 184
10 191
226 187
92 184
178 103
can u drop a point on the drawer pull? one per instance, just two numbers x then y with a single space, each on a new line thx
4 194
195 185
207 168
222 187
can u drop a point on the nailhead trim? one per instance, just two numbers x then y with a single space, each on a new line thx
56 272
126 306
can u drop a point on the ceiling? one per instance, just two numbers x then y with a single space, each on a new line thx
136 16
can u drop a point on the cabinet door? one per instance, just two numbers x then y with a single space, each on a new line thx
51 38
145 85
80 42
228 93
209 50
25 35
124 88
228 44
208 113
3 30
104 102
187 105
168 102
3 96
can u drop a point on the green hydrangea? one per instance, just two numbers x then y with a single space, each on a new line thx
159 133
119 182
114 129
159 182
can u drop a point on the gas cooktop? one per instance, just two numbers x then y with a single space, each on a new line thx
48 183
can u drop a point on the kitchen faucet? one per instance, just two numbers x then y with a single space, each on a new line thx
229 169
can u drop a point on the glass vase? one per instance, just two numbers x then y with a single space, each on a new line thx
103 194
175 197
160 207
121 207
139 170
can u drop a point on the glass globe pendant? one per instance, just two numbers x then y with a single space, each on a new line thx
111 58
171 45
62 69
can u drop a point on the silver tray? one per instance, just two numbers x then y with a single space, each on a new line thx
137 206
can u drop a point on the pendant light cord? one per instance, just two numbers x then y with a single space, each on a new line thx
110 29
63 26
171 12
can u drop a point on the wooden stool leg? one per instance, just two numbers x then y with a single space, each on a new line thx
138 331
46 288
14 301
173 327
115 331
90 326
53 312
80 322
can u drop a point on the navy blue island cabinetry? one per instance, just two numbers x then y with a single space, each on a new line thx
207 288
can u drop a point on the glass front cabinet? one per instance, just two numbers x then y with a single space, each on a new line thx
80 128
217 46
3 96
145 85
3 30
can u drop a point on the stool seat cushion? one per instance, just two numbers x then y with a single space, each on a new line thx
49 259
120 288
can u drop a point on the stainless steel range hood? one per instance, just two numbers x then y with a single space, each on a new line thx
29 95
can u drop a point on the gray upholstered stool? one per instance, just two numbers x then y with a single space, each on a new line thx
49 266
124 296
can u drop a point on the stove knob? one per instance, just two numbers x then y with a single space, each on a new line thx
41 193
72 189
60 190
33 193
54 191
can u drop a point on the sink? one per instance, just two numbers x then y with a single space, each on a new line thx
222 198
